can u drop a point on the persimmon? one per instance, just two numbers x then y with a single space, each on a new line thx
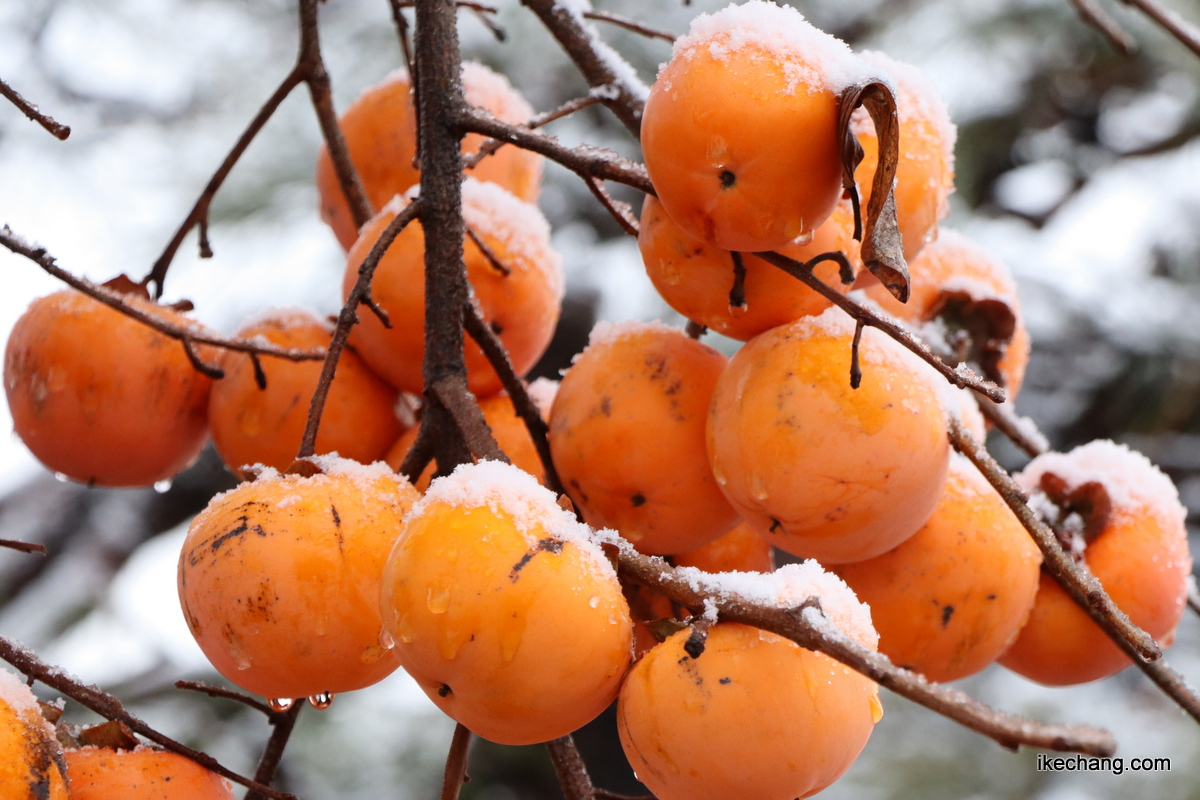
1123 519
950 599
381 135
747 713
820 469
695 278
252 425
519 294
141 774
503 609
279 578
508 428
31 759
925 171
740 129
627 437
956 281
743 549
101 398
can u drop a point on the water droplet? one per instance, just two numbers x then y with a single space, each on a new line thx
876 708
16 437
321 701
280 704
718 473
594 601
404 631
737 312
61 477
804 238
371 653
438 600
758 489
386 641
163 486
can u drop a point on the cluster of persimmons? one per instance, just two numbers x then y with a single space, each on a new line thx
485 587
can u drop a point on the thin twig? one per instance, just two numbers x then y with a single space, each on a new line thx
225 694
490 146
456 763
1020 430
619 210
571 771
1091 13
1171 22
117 301
737 292
23 547
199 213
452 392
629 25
694 329
1193 597
283 723
110 708
963 377
605 794
347 318
809 628
56 129
488 254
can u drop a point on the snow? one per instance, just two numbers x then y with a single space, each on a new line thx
605 334
17 696
624 73
917 100
758 30
492 211
542 392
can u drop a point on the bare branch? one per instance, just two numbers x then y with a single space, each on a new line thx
56 129
110 708
1091 13
117 301
225 694
23 547
456 763
629 25
282 724
620 211
1020 430
571 771
807 627
1171 22
490 146
452 392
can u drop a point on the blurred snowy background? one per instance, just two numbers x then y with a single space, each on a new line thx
1078 166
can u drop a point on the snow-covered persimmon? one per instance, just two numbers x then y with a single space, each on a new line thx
740 129
519 293
279 578
381 135
1123 518
252 425
101 398
627 437
31 759
820 469
503 608
141 774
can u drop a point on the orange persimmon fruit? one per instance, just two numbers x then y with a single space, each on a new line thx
695 278
820 469
503 609
380 131
279 578
740 128
950 599
925 171
141 774
31 759
743 549
264 426
519 296
1124 520
101 398
746 713
627 437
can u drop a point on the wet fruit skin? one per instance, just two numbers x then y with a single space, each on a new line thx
754 716
31 759
820 469
695 278
627 437
380 131
142 774
514 634
740 550
279 581
102 398
740 157
264 426
949 600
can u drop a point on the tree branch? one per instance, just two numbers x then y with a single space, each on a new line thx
571 771
283 723
1091 13
1020 430
23 547
56 129
1169 21
225 694
490 146
456 763
629 25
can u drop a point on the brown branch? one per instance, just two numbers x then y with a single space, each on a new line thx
347 318
1171 22
419 455
694 329
585 161
597 62
117 301
1019 430
571 771
56 129
737 292
807 627
629 25
490 146
488 254
456 763
620 211
522 402
110 708
962 377
452 393
23 547
282 724
1193 597
225 694
1091 13
605 794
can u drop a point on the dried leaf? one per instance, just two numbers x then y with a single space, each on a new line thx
112 735
123 284
988 326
